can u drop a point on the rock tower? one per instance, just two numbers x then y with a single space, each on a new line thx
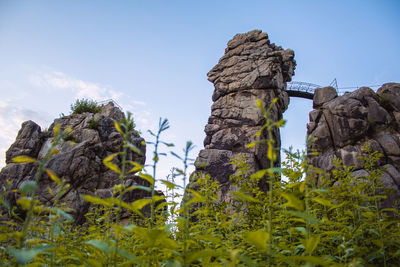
252 68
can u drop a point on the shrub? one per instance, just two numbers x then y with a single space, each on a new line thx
85 105
293 224
386 101
93 124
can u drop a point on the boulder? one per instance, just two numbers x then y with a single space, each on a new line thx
323 95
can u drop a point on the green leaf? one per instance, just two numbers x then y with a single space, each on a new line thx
312 243
117 127
275 170
110 157
176 155
293 201
24 202
322 201
53 176
197 197
302 215
257 238
23 159
28 187
147 177
112 166
313 260
140 203
138 187
161 205
96 201
99 244
63 214
134 148
24 255
258 175
158 198
244 197
169 184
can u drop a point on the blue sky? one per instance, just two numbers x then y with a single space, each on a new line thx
152 56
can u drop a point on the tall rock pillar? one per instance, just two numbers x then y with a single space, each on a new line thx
252 68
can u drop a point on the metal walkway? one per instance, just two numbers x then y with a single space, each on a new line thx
301 89
306 90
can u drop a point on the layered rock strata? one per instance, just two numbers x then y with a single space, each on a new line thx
80 164
342 125
252 68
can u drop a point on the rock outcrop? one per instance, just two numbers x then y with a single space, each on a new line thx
252 68
80 165
342 125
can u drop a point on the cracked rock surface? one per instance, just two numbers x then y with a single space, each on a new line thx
342 125
80 165
252 68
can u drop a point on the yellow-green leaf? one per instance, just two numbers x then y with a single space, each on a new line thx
169 184
116 124
312 243
322 201
24 202
96 200
293 201
158 198
259 174
244 197
56 129
53 176
23 159
302 187
109 158
140 203
257 238
147 177
112 166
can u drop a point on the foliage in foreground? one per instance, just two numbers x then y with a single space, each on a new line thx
294 224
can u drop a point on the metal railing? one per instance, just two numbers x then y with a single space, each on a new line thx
105 102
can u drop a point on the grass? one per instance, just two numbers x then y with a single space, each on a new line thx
293 224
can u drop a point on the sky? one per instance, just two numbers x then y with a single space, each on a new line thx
152 57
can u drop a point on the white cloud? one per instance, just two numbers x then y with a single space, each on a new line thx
81 89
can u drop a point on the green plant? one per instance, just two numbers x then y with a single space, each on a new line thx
85 105
386 101
94 124
294 223
70 137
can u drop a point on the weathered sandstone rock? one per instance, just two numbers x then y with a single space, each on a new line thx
342 125
252 68
80 165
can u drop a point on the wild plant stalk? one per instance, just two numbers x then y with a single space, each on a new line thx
126 128
162 126
269 126
58 136
186 163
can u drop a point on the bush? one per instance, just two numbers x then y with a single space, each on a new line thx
85 105
293 224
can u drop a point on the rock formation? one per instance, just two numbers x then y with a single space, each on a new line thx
80 165
252 68
342 125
